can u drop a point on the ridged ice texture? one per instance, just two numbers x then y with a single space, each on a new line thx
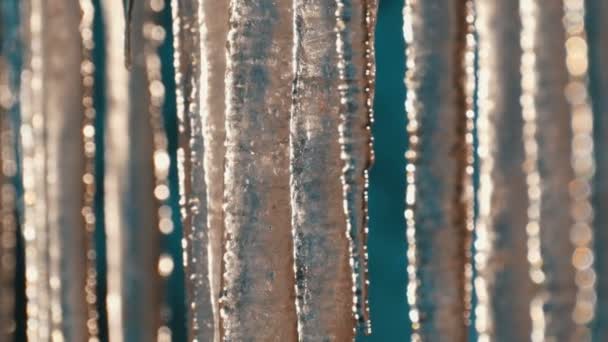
355 25
193 188
502 284
324 285
258 302
10 56
598 44
547 135
213 21
131 227
54 165
435 215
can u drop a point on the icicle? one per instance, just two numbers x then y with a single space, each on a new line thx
355 24
9 75
154 36
130 205
547 135
116 172
583 164
258 302
128 19
213 21
597 30
87 69
439 109
321 247
503 286
52 115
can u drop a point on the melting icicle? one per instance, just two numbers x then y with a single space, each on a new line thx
597 12
258 302
324 298
117 156
130 205
583 164
154 35
87 69
52 115
355 23
503 285
547 136
439 165
8 169
213 21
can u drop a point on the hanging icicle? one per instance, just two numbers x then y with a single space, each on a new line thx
154 36
597 31
438 105
583 164
547 136
355 24
324 286
259 299
131 192
503 285
53 160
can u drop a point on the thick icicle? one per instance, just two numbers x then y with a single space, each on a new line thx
130 205
547 136
10 55
259 299
53 162
436 215
355 24
213 21
321 246
598 73
502 284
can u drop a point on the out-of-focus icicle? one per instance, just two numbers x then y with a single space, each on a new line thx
87 69
503 285
154 36
547 136
583 164
259 300
53 164
117 156
324 286
598 72
213 23
355 25
437 105
10 55
130 204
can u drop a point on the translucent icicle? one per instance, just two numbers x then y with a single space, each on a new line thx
438 231
584 165
547 135
503 285
116 164
9 76
87 69
131 222
259 299
597 30
51 135
355 24
154 36
213 21
321 247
